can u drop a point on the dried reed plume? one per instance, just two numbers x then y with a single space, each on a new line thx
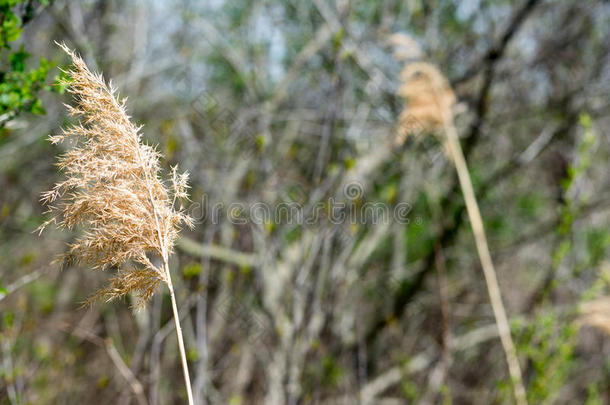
429 96
596 313
430 102
113 192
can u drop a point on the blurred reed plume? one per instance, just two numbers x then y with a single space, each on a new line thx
114 193
430 103
596 313
430 98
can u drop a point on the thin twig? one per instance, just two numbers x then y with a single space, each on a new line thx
418 363
28 278
197 249
444 296
9 372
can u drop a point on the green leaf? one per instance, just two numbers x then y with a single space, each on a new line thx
10 28
191 270
585 120
3 290
37 108
18 59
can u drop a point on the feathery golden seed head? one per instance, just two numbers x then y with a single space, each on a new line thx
429 97
112 189
596 313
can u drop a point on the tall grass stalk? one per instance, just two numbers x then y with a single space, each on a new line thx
430 103
114 194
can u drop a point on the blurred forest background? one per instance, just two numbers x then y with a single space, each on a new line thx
294 103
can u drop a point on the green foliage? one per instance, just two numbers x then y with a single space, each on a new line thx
598 241
593 395
235 400
192 355
11 24
224 74
419 234
530 205
548 342
3 290
7 320
332 371
43 293
191 270
19 87
410 390
572 207
10 29
583 161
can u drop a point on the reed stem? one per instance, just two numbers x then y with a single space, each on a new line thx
493 288
185 367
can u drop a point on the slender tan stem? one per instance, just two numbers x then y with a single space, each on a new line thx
493 288
185 367
168 280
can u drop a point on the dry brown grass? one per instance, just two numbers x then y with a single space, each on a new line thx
114 194
596 313
429 96
113 191
430 102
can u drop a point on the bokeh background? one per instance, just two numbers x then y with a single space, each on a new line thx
291 103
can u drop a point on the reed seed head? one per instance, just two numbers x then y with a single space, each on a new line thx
596 313
112 190
429 97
